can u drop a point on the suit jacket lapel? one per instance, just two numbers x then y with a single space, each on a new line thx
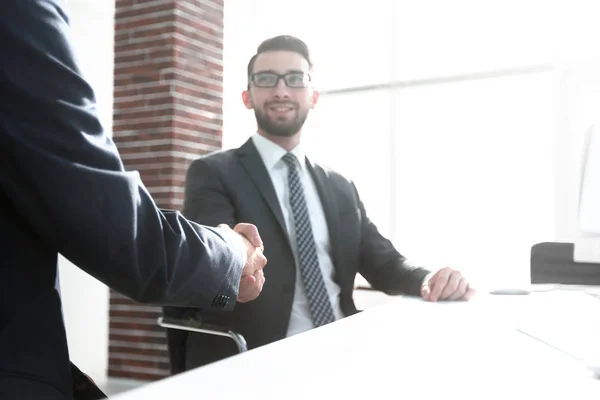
251 161
330 206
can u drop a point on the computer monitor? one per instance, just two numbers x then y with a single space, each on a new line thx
587 241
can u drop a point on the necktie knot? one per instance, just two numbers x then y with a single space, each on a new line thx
290 160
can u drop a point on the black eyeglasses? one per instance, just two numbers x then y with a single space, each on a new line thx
271 79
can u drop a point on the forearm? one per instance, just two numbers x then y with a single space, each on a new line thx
400 277
106 223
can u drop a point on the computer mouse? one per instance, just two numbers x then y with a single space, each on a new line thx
510 291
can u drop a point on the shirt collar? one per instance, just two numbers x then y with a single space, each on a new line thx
271 152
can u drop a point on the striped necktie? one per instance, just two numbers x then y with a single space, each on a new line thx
318 298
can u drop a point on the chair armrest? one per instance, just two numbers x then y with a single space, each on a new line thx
193 325
367 288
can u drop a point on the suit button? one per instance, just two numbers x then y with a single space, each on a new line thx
220 301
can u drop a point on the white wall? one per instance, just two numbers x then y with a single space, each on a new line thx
85 300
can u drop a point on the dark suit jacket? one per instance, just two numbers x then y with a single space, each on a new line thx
234 186
63 189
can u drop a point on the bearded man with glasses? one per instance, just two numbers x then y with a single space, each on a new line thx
315 228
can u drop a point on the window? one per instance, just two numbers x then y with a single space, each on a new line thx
355 146
349 42
474 173
443 38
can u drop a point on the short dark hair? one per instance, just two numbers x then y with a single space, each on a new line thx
281 43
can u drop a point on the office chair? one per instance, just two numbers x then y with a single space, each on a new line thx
212 340
552 263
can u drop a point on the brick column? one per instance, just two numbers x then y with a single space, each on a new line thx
167 112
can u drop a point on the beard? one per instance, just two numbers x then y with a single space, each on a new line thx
281 128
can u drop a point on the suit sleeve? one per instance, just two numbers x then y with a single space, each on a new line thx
382 265
206 201
65 177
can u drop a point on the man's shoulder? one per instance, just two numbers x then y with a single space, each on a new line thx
332 174
216 158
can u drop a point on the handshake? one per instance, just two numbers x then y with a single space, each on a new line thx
253 277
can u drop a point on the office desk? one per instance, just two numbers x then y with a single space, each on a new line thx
407 348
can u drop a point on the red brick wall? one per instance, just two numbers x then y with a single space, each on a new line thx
167 111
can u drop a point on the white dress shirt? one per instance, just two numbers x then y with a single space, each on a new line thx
271 153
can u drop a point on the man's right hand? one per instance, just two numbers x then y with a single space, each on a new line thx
253 277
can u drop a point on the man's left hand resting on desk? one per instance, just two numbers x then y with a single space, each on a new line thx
446 284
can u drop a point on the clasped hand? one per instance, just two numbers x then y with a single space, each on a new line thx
253 277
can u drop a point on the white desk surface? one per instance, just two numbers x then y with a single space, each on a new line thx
403 349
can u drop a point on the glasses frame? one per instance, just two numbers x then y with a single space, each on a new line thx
252 79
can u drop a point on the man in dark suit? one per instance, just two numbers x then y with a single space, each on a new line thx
311 218
63 189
